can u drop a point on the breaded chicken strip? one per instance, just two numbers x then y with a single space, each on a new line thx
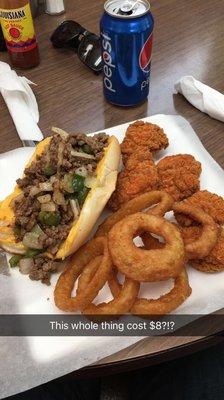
143 134
211 203
214 262
179 175
139 176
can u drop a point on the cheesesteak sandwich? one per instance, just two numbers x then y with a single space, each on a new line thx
56 203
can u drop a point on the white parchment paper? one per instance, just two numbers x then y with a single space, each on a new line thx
29 362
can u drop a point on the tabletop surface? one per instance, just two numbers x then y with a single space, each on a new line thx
188 40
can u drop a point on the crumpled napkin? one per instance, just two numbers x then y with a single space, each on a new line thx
201 96
21 103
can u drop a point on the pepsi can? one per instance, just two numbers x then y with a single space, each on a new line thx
126 35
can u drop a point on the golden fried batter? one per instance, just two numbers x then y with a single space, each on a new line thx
209 202
190 234
179 175
139 176
207 266
214 262
143 134
151 242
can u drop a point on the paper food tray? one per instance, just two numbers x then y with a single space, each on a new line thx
28 362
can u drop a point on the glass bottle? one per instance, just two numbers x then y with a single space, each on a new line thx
18 30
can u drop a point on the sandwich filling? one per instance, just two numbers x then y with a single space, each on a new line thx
54 188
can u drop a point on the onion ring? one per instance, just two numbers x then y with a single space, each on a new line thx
76 265
143 201
122 302
146 265
167 302
201 247
214 262
87 274
209 264
164 304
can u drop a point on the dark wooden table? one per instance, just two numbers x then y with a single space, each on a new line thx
188 40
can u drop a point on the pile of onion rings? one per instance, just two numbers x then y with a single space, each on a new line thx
112 250
87 256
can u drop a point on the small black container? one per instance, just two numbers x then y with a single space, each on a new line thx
2 41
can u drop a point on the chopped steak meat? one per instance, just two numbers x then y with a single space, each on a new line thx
42 269
26 210
55 235
51 186
34 174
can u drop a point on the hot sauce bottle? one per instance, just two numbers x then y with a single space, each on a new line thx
18 30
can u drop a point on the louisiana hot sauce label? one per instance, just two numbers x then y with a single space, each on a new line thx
18 29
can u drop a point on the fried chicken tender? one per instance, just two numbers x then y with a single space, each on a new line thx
139 176
143 134
211 203
179 175
214 262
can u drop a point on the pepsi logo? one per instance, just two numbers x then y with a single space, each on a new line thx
146 54
108 67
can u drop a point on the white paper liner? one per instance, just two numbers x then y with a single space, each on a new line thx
28 362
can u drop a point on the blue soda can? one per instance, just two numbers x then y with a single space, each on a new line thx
126 33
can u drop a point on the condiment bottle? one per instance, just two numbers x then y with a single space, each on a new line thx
18 30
